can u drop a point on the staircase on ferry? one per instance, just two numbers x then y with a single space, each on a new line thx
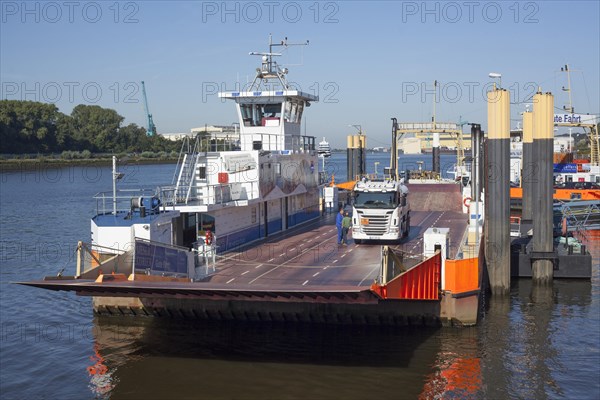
187 188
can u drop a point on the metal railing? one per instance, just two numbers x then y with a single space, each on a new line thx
145 256
162 259
93 259
219 194
579 216
105 200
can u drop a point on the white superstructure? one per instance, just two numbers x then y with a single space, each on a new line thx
264 181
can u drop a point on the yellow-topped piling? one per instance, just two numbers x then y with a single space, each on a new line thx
542 151
527 167
497 204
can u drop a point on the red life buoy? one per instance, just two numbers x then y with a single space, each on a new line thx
467 205
209 237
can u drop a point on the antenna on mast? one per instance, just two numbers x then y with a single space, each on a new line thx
570 108
270 69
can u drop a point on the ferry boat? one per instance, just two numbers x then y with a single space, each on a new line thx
324 149
240 236
573 182
574 179
578 171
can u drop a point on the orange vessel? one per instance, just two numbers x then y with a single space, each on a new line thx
563 194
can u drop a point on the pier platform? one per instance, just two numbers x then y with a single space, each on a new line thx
567 263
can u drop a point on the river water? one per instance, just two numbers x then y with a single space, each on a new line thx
537 343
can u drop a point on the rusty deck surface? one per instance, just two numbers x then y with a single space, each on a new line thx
310 256
303 260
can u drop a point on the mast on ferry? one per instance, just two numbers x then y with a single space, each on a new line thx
270 69
270 110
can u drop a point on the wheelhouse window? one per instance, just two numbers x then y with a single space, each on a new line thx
261 114
293 111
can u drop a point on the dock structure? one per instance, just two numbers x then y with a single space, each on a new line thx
476 153
497 246
543 137
529 166
356 156
435 153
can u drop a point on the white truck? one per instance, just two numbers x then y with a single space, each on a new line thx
380 210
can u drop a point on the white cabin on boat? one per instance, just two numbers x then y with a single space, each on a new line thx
267 185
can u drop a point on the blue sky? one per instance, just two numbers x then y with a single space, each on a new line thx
368 61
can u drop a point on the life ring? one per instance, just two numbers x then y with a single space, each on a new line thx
209 238
465 202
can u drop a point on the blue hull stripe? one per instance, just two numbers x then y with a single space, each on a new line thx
235 239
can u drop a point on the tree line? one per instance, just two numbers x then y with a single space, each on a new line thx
32 127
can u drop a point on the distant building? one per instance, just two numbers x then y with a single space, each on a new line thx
231 132
174 136
422 142
410 145
563 144
215 131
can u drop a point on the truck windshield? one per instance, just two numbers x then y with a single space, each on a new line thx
375 200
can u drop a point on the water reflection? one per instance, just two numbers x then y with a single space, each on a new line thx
528 345
536 352
539 342
155 358
457 368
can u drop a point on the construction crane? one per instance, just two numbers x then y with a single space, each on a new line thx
460 122
591 122
151 128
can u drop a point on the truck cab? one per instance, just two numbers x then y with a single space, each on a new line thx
380 210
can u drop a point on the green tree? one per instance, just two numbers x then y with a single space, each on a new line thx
28 127
132 139
97 126
32 127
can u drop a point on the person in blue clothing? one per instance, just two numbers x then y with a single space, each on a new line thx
338 223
